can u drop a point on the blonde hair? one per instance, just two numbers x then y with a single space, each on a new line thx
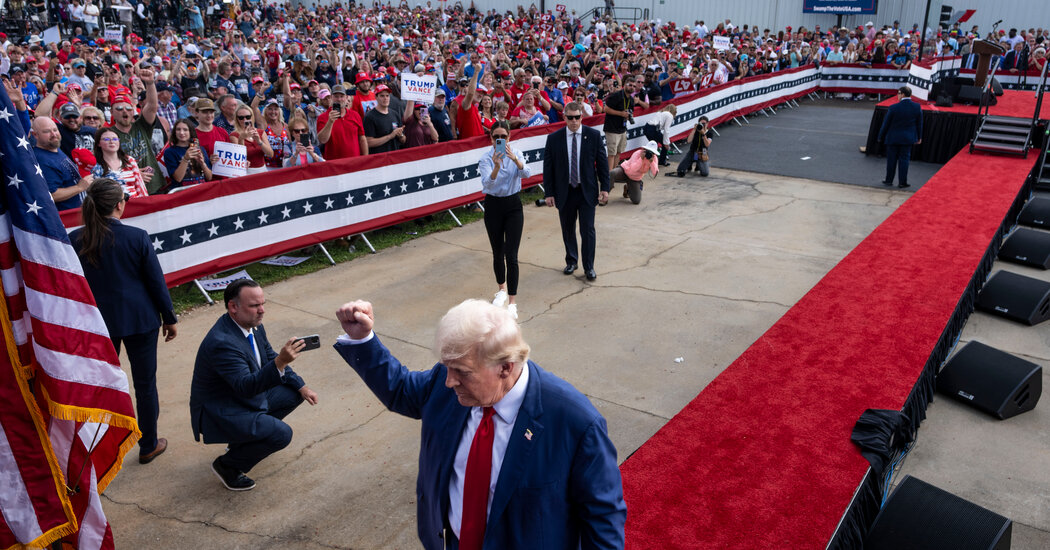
671 108
481 331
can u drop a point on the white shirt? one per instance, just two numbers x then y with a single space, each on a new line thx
579 146
506 412
255 347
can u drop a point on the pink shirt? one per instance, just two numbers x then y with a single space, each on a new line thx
636 166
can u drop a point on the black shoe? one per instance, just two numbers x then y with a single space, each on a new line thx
232 479
569 269
903 185
887 182
591 275
675 174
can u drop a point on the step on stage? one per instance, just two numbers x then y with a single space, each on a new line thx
946 130
762 457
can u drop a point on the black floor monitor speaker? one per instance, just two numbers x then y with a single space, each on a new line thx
991 380
1027 247
997 88
1016 297
1036 213
919 516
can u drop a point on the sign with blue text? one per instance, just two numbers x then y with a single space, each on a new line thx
845 7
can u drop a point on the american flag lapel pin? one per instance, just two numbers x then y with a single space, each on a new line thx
528 434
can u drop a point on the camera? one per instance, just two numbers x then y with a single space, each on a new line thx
648 155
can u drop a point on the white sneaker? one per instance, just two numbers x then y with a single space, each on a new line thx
513 310
501 299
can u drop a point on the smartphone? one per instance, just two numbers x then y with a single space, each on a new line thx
337 106
501 146
304 139
312 342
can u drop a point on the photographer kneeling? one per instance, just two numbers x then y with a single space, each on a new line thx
699 140
631 171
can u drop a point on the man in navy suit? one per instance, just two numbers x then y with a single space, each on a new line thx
242 388
511 456
901 129
575 179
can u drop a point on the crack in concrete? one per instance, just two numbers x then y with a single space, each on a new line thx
557 302
701 294
302 452
628 407
209 523
650 258
402 340
489 253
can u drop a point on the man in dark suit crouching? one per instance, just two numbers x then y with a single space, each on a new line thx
242 388
575 179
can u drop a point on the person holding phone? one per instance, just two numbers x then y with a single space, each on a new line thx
502 169
242 389
419 129
299 150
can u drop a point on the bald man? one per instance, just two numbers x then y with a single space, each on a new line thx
60 172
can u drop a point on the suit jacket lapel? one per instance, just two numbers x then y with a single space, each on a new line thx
455 422
235 330
523 439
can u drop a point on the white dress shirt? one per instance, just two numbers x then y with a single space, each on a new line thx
579 147
506 412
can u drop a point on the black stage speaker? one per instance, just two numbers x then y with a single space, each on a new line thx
919 516
1036 213
1016 297
971 95
997 88
1027 247
991 380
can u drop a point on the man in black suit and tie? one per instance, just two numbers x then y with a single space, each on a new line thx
901 129
575 179
242 388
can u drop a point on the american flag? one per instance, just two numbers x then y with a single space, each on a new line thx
55 337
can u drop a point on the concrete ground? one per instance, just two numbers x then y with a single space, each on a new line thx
698 271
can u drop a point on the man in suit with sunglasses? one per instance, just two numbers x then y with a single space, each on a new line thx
576 179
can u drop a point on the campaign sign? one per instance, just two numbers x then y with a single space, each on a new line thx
418 88
682 86
232 161
114 35
286 261
840 6
226 24
220 283
560 7
721 42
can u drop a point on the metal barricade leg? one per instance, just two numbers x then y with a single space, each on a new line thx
207 296
326 254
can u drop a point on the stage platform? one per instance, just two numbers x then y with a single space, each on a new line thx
762 457
948 129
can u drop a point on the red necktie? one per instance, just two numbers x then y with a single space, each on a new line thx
476 484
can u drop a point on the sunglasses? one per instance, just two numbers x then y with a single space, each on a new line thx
124 108
500 136
573 117
249 117
127 197
110 139
90 118
297 131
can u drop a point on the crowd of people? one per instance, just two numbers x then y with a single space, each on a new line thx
305 85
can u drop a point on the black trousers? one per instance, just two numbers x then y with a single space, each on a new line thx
897 159
504 220
142 354
273 433
575 207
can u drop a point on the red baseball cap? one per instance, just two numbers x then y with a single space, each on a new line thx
381 89
362 77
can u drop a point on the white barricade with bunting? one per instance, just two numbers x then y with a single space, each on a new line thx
214 227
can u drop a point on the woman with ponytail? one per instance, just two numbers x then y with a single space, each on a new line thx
124 275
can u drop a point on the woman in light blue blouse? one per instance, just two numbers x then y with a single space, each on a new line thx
502 169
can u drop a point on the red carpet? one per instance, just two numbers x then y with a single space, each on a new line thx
762 458
1013 103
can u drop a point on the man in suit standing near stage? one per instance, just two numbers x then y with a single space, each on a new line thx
242 388
511 456
575 179
901 129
